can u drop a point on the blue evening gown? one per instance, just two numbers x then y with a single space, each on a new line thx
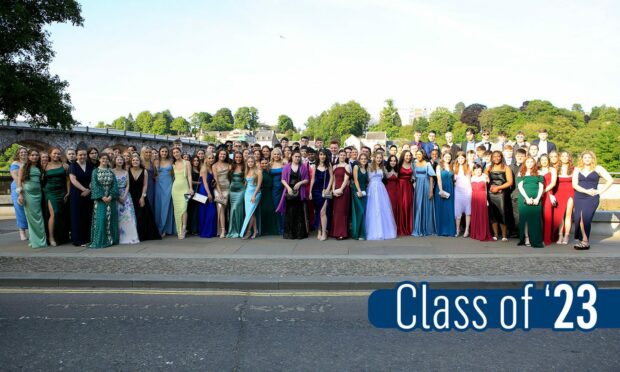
164 217
207 213
424 208
379 221
444 208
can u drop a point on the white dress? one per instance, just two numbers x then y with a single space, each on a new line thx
127 230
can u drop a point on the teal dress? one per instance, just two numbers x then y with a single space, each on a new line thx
250 207
32 209
104 231
444 208
236 215
358 206
54 192
267 217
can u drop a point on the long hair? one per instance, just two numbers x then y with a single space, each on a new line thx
367 161
217 155
373 165
28 165
234 164
502 162
205 165
442 163
401 161
587 152
571 166
19 149
326 163
523 170
276 150
135 156
174 160
159 153
255 168
456 165
388 167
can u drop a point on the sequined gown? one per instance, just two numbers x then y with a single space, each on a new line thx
104 230
127 229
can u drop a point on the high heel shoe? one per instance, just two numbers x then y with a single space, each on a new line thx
223 233
466 234
53 243
22 235
565 240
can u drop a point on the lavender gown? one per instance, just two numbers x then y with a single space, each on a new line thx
379 223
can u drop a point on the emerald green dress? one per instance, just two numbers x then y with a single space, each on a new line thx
236 216
32 208
267 217
54 192
104 231
358 206
530 215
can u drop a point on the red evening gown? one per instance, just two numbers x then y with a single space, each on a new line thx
564 192
479 228
404 216
548 232
392 188
341 207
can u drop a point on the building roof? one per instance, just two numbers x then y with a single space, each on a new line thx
267 134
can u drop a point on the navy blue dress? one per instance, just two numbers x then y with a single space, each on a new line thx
585 205
321 180
81 206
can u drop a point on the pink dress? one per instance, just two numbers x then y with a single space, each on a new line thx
462 194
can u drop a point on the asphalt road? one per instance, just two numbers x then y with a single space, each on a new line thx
90 330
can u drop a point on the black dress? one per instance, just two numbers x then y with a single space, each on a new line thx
147 229
193 206
497 201
295 216
81 206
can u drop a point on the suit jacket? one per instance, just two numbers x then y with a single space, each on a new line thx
430 146
463 146
550 145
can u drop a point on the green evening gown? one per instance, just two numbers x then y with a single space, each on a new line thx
179 203
32 209
358 207
530 214
267 217
235 222
104 231
54 192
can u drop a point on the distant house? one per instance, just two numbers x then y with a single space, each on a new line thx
241 135
374 138
219 135
266 137
353 141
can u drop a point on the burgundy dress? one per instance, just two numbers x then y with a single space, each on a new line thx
404 216
341 206
479 229
549 235
564 192
392 186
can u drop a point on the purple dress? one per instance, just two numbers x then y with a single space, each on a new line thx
379 223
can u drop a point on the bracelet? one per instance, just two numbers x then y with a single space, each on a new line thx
18 190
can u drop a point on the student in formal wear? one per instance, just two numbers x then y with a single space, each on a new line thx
127 228
56 191
587 195
104 192
93 156
138 191
470 143
444 197
454 148
531 186
267 217
321 191
564 195
333 149
392 183
479 228
544 146
193 205
20 159
275 169
164 215
379 220
462 193
431 144
30 197
500 181
207 212
405 204
358 198
486 143
500 143
294 179
515 167
341 202
252 197
533 151
221 170
148 163
236 196
549 202
424 218
182 190
80 175
554 159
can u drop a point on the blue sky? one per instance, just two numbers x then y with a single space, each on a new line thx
299 57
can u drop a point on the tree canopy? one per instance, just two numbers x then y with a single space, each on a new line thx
340 121
285 124
27 88
246 118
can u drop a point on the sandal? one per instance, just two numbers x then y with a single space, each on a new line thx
582 246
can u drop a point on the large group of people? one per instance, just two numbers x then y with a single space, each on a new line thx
482 189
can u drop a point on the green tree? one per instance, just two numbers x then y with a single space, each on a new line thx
458 108
161 125
26 86
246 118
420 124
339 121
199 120
144 122
577 108
285 124
471 113
441 120
500 118
124 123
180 125
222 120
101 124
389 120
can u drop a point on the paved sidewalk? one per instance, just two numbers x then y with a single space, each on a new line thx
272 262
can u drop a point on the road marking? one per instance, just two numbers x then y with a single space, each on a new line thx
213 293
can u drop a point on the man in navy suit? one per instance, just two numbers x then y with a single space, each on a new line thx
544 146
431 144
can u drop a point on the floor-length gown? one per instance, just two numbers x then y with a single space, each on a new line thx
444 207
276 190
479 227
379 219
462 194
192 206
547 211
498 201
321 181
104 229
266 218
250 208
358 206
145 220
207 212
392 185
224 182
564 192
54 193
530 215
127 229
585 205
33 196
235 222
404 217
179 202
294 215
20 215
150 187
81 206
424 217
164 218
341 205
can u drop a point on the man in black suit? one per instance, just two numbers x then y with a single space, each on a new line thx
544 146
454 148
334 146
